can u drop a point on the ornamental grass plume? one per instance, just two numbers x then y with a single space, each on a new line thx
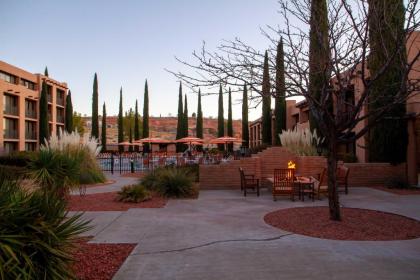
301 141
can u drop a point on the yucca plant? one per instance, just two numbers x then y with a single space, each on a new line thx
36 235
134 193
55 171
302 142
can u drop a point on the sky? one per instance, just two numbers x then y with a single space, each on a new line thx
127 42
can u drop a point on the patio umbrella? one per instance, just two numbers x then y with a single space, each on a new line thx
225 140
126 143
189 140
153 140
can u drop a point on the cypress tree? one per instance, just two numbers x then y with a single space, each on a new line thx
69 113
95 118
130 136
280 100
266 104
245 127
103 132
389 139
319 55
46 71
185 128
220 119
120 124
199 123
230 122
146 116
136 126
43 114
180 122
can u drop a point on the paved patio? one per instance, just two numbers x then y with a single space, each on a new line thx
222 235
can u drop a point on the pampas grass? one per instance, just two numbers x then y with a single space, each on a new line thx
301 141
84 148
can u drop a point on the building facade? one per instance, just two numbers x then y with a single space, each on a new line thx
19 108
297 115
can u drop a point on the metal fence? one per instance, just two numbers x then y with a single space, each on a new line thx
137 162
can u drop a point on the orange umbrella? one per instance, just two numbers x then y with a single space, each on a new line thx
225 140
197 143
153 140
189 140
126 143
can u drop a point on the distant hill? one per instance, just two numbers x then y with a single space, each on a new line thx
165 127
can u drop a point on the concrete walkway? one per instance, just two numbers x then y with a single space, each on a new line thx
222 235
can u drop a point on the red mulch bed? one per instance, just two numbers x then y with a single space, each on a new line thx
99 261
108 202
356 224
109 182
412 191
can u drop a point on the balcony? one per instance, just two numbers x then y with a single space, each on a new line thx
30 109
60 97
11 110
60 118
30 130
11 134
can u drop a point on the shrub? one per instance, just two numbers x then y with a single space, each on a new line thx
36 236
302 142
82 149
134 193
21 159
8 172
55 171
193 170
397 183
170 182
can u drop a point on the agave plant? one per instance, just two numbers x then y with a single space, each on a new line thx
302 142
36 235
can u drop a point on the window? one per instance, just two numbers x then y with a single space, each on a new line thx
49 113
10 127
60 97
49 93
10 105
30 146
30 108
30 130
27 84
60 115
10 147
8 77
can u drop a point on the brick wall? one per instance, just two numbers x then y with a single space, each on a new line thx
374 174
226 176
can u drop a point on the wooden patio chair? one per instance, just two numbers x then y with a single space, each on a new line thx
342 177
283 184
249 181
321 187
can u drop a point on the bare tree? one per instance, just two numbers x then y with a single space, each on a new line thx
236 63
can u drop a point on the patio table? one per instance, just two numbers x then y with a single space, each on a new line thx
305 185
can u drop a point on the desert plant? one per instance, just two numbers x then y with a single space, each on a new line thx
55 171
36 235
302 142
170 182
82 149
174 182
134 193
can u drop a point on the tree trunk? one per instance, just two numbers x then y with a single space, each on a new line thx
333 200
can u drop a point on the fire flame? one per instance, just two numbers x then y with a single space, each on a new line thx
291 165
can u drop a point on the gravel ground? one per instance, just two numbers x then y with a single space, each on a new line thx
356 224
99 261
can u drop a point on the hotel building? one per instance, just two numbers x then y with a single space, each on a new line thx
19 107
